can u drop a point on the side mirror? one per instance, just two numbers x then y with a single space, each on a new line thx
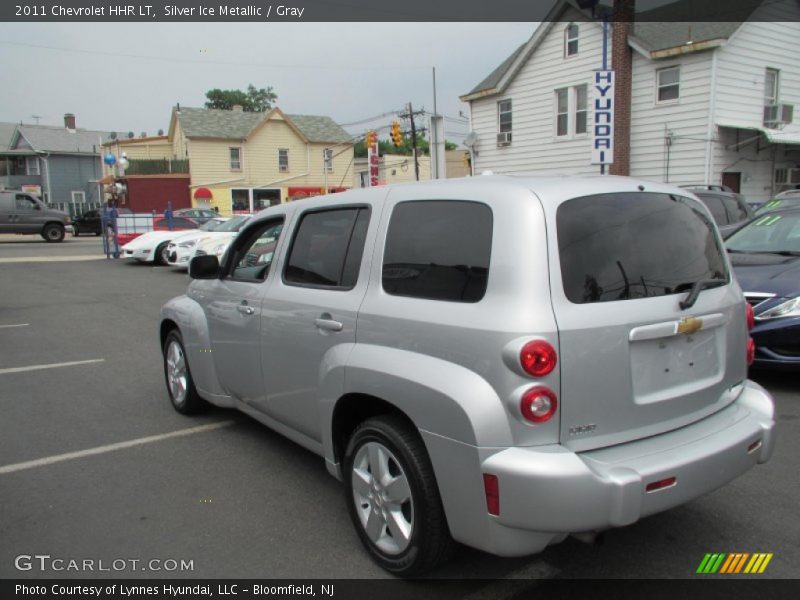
204 267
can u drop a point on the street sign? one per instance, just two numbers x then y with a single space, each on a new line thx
603 121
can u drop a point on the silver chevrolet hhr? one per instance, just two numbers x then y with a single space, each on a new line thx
494 361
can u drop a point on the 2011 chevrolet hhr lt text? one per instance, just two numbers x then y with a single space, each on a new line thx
494 361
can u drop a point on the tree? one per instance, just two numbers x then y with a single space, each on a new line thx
253 100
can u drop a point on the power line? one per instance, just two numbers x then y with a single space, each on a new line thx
162 58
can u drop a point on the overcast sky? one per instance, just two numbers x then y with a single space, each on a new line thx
126 77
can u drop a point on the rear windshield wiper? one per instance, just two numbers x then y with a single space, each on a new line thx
698 287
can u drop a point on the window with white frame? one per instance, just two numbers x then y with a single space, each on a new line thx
236 158
771 81
327 157
668 84
32 165
571 40
283 160
79 197
580 108
504 122
562 112
571 110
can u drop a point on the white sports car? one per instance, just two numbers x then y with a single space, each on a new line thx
182 251
151 247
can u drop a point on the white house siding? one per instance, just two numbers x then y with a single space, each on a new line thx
742 63
741 67
535 147
741 151
685 120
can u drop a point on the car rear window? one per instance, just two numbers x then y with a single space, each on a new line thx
438 250
634 245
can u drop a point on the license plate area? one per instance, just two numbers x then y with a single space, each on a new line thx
677 365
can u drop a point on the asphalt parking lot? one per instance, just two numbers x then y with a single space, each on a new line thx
95 464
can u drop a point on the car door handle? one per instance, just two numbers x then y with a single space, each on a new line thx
326 323
245 309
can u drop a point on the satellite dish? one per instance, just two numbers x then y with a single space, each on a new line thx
130 135
471 139
160 132
113 135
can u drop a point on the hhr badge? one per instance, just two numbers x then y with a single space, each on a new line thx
581 429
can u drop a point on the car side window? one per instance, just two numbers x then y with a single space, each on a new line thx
252 259
327 248
438 250
25 203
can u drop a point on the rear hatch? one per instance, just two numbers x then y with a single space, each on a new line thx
634 363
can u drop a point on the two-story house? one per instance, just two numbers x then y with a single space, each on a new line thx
232 160
62 164
245 161
694 103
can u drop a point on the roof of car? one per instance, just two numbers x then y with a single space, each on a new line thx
551 190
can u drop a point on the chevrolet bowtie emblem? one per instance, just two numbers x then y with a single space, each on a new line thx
689 325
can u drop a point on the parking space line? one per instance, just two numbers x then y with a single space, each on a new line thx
38 259
50 366
15 325
49 460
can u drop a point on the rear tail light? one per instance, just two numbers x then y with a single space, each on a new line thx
491 487
538 358
660 485
751 351
538 404
751 317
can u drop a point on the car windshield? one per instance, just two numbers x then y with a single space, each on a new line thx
633 245
771 233
211 225
233 224
776 203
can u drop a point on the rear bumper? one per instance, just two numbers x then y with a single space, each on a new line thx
547 492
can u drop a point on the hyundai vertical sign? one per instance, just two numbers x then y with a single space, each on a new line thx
603 111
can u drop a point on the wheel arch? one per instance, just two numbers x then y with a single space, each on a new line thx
353 409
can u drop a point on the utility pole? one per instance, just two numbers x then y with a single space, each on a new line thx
413 141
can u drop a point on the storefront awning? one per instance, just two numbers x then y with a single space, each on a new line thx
203 193
774 136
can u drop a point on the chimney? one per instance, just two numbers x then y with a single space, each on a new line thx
237 108
622 63
69 121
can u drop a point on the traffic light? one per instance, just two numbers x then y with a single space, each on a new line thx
397 135
371 139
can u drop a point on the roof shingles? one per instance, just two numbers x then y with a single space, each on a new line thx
45 138
231 124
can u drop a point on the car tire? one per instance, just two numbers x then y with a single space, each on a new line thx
180 385
398 514
53 232
159 258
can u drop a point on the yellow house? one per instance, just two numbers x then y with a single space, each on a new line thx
244 161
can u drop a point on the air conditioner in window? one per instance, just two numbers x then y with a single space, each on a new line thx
504 138
778 115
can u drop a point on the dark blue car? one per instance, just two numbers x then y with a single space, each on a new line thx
765 255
